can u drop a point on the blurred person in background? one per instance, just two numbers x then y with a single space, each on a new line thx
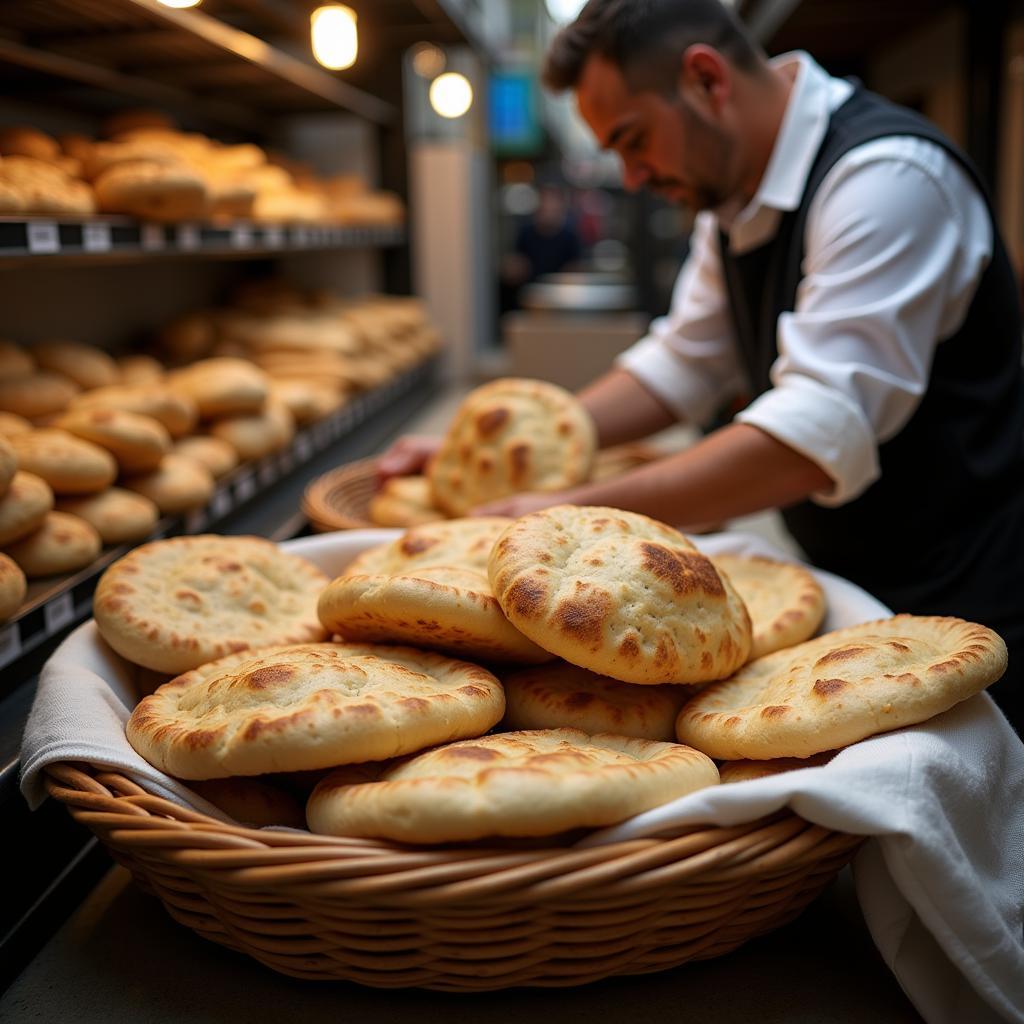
845 270
547 242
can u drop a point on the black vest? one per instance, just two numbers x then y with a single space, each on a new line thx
942 529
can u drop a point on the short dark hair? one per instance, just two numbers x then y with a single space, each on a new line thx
645 39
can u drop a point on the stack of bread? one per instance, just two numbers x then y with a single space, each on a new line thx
150 170
103 447
485 678
493 449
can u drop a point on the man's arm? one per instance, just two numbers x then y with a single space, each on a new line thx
732 472
623 409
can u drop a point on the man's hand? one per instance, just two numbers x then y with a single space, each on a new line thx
409 454
518 505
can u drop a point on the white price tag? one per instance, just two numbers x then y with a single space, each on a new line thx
58 612
96 237
43 236
221 504
152 237
195 521
273 237
300 237
10 644
245 488
303 448
241 236
188 237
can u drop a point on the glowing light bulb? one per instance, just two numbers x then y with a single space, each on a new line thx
181 4
335 36
451 95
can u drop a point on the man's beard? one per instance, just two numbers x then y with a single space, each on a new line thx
712 190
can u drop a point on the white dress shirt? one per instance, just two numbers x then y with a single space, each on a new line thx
897 238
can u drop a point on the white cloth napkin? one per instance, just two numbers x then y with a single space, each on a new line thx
941 882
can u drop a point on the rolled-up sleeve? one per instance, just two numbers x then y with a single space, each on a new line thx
688 358
894 248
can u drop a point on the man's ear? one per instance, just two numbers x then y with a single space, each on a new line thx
705 76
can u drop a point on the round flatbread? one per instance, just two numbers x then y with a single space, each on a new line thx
216 455
843 687
14 361
139 369
253 802
11 424
745 771
67 463
62 543
464 543
138 443
222 386
118 516
612 462
13 587
561 695
177 485
509 784
174 604
404 501
785 601
257 434
620 594
8 465
443 608
311 706
86 365
508 436
39 394
177 413
23 508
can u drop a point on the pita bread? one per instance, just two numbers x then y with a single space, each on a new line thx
561 695
13 587
843 687
745 771
508 436
311 706
404 501
785 601
620 594
24 506
174 604
443 608
510 784
138 443
462 543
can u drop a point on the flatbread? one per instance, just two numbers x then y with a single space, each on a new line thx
62 543
404 501
138 443
535 783
560 695
311 706
67 463
172 605
620 594
508 436
785 601
843 687
442 608
745 771
464 543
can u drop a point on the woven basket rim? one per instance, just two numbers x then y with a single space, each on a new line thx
125 813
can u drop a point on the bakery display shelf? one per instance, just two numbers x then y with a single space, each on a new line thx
35 238
54 605
144 50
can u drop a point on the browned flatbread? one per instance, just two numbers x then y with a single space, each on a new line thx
843 687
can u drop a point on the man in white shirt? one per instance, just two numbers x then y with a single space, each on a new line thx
845 271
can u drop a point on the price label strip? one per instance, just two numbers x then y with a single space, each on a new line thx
96 238
58 612
43 237
10 643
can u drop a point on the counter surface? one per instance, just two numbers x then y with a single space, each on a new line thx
121 957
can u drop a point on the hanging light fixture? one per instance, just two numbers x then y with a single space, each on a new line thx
334 36
181 4
451 95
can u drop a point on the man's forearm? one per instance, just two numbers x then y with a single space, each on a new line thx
623 409
733 472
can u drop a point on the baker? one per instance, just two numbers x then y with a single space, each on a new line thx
846 273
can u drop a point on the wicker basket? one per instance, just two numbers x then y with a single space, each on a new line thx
458 918
340 498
